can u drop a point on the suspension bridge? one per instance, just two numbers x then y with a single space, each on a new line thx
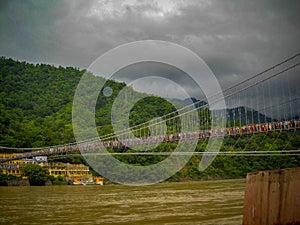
264 103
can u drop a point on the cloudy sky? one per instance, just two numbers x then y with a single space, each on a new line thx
236 38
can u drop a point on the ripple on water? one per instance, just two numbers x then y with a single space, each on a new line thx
209 202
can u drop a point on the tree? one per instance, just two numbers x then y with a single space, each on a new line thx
37 175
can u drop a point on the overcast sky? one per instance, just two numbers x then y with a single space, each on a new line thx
236 38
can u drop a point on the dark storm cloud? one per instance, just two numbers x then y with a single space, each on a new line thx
26 30
242 37
235 38
170 74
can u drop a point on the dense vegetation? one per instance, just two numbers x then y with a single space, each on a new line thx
35 103
37 175
36 111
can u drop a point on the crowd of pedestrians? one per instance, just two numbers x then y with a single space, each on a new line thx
167 138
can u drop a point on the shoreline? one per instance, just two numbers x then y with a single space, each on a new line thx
18 183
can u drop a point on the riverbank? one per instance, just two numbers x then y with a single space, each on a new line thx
20 182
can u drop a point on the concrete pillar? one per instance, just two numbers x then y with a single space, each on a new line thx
272 197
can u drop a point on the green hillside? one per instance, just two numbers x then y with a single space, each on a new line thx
36 111
36 104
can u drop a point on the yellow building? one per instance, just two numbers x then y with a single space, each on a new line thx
78 173
4 155
11 167
14 169
78 170
68 170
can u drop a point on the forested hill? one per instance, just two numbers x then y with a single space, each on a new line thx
36 104
38 90
36 111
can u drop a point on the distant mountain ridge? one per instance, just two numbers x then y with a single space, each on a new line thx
243 114
189 101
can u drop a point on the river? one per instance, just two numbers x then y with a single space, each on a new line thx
184 203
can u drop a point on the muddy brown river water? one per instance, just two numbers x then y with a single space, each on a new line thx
186 203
